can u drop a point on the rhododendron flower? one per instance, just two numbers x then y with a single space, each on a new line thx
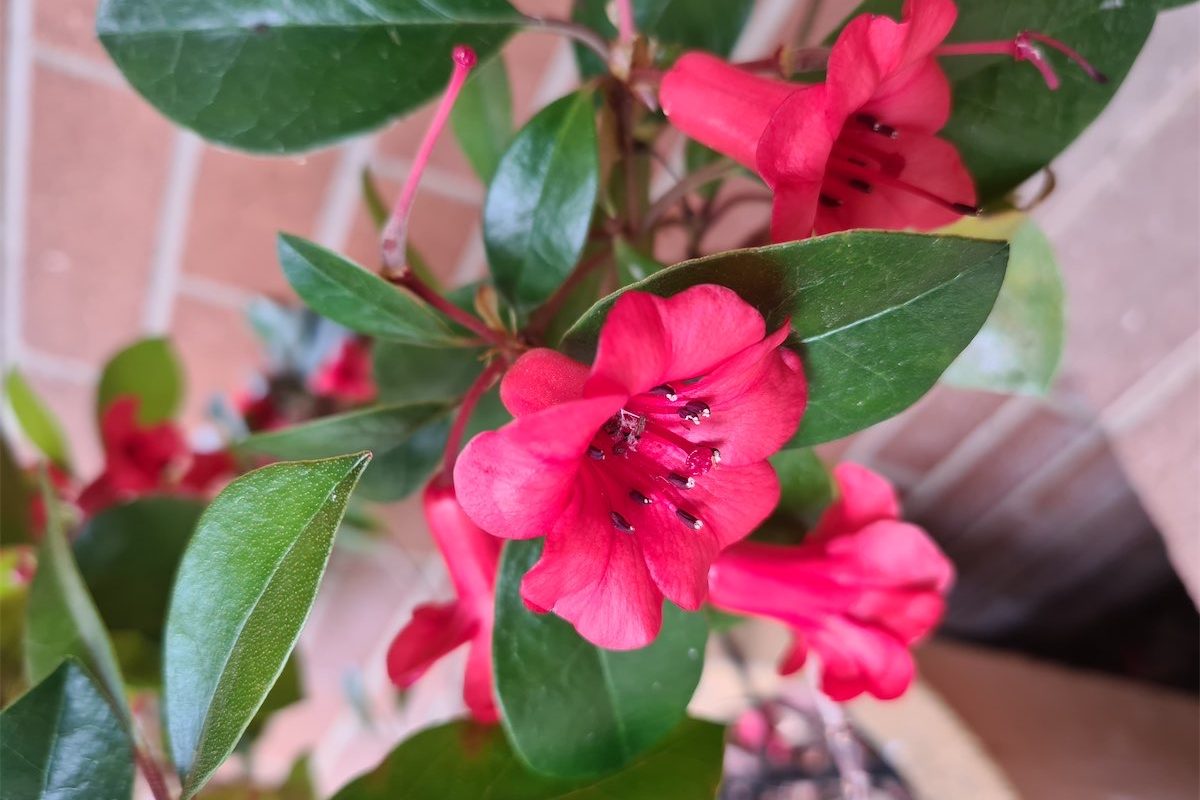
471 557
642 468
859 590
136 458
347 375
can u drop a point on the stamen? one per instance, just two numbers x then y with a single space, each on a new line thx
694 411
680 482
395 233
849 172
665 390
860 153
829 202
876 126
638 497
693 522
620 523
595 453
1022 48
860 185
716 456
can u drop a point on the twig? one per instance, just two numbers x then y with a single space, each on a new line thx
580 33
543 316
705 175
153 775
856 784
454 441
409 280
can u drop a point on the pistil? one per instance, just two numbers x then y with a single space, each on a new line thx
1023 47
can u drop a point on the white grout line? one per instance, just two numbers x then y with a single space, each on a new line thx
435 181
65 62
472 263
167 264
344 195
18 119
215 293
61 368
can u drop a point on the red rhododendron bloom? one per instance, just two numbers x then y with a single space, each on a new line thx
346 376
860 589
857 151
136 458
471 556
643 468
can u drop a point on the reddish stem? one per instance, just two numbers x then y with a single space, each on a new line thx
154 776
626 28
469 401
414 284
1022 47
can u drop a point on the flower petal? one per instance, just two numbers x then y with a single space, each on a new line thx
864 496
433 631
477 683
539 379
856 659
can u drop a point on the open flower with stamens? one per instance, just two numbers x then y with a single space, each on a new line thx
859 590
641 469
436 629
859 150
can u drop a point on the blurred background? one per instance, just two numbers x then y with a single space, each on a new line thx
1074 518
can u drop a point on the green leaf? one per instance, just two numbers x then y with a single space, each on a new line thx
407 441
1005 122
482 117
1020 346
572 709
148 370
632 264
278 78
406 373
244 588
539 205
62 741
14 598
61 620
464 760
36 420
877 316
128 555
16 497
712 25
288 689
362 301
807 487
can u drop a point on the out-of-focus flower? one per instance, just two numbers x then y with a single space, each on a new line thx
347 375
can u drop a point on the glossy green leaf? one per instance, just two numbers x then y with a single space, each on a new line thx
877 316
148 370
1006 123
572 709
128 555
712 25
244 588
288 689
36 420
464 760
282 77
362 301
1020 346
409 374
61 620
16 497
482 117
63 741
539 205
407 441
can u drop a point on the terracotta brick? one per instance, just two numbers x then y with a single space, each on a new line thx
402 137
241 203
219 351
92 215
69 24
527 56
937 424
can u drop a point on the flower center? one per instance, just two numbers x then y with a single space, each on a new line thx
651 455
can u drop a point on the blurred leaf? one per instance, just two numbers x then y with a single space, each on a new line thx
539 205
14 597
16 496
61 620
633 265
148 370
36 420
407 441
604 709
63 741
464 760
878 316
1020 346
362 301
482 117
280 78
245 586
807 486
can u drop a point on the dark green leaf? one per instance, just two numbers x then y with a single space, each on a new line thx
572 709
288 689
878 316
712 25
362 301
633 265
1020 346
61 620
407 441
62 741
128 555
482 117
277 78
16 496
539 205
406 373
36 420
463 760
1006 123
244 588
149 371
807 487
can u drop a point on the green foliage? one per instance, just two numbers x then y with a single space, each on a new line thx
36 420
245 586
482 117
609 706
463 760
406 373
16 495
148 370
877 316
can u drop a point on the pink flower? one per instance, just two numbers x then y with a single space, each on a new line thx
435 629
860 589
857 151
136 457
347 375
643 468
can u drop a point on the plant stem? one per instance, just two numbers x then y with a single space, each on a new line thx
580 33
810 20
541 319
839 738
626 29
153 775
689 183
409 280
465 409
